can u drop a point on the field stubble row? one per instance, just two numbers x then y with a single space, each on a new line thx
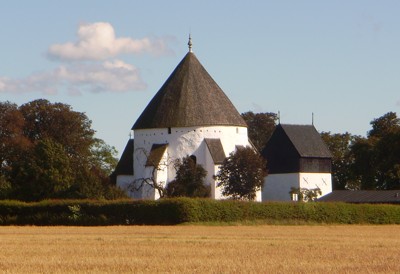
199 249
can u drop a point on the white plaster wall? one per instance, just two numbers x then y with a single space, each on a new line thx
218 190
185 141
162 173
277 186
314 180
123 182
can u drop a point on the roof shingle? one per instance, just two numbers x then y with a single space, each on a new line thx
125 163
156 153
189 97
306 140
216 150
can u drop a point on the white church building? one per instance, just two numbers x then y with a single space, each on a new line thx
189 116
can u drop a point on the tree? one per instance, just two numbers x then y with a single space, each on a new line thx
45 172
384 125
242 174
103 156
189 180
340 147
57 121
13 143
377 157
49 151
260 127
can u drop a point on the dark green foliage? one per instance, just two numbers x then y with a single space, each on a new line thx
342 159
242 174
47 150
260 127
371 163
182 210
46 172
189 180
377 157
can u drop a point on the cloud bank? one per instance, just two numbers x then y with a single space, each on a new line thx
114 76
94 67
97 41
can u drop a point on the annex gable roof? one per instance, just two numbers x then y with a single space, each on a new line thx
189 97
306 140
296 148
125 164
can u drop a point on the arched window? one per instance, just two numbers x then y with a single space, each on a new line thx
194 158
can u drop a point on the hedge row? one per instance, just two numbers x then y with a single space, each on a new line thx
181 210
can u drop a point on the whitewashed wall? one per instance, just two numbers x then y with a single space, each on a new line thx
314 180
123 182
186 141
277 186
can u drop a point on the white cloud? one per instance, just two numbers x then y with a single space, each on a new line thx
97 41
111 76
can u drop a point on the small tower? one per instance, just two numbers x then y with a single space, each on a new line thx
189 115
296 157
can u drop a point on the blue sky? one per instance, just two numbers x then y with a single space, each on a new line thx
337 59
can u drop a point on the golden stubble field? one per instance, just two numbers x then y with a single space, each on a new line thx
200 249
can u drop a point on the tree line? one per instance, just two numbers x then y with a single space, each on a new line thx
48 150
367 163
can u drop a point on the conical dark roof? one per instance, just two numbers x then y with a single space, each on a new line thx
189 97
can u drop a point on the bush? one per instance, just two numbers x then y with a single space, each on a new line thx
183 210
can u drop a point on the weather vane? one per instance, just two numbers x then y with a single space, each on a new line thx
190 43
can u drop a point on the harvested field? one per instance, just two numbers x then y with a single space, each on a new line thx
201 249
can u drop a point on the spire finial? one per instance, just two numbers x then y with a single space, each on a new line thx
190 43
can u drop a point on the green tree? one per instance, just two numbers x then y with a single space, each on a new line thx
41 143
44 173
260 127
242 174
189 180
342 159
386 124
363 167
5 188
377 157
57 121
103 156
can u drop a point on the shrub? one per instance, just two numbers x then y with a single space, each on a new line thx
182 210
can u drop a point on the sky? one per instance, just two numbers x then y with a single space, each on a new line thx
337 59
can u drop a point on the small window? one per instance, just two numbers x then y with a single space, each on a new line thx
194 158
169 130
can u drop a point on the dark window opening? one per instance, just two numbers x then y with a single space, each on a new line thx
194 158
169 130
